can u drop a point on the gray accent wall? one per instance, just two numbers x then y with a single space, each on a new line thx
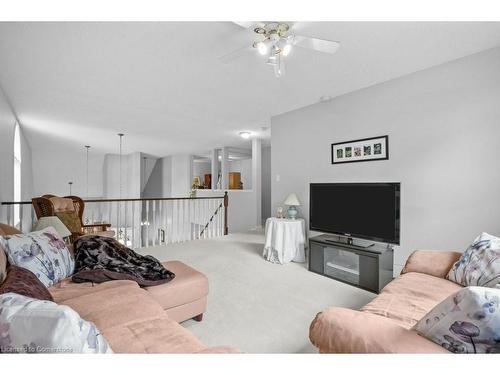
444 134
160 181
266 183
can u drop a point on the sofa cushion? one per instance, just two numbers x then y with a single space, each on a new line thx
431 262
71 220
155 335
468 321
62 204
43 252
34 326
405 300
66 289
189 285
24 282
479 264
340 330
116 306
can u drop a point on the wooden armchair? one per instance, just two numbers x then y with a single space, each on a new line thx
51 205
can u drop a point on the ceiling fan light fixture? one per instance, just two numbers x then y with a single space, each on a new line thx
279 70
262 48
276 40
272 60
287 49
244 135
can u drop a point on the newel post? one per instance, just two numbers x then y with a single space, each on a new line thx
226 204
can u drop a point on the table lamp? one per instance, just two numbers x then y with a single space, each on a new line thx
54 222
292 202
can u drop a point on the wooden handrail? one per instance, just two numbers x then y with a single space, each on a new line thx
126 200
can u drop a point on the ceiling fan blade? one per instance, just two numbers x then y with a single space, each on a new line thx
227 58
320 45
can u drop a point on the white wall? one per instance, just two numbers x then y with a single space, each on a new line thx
266 183
444 129
131 176
54 168
26 169
181 175
7 125
241 213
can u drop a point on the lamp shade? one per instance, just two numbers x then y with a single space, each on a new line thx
292 200
54 222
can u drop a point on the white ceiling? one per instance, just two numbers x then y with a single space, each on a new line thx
164 87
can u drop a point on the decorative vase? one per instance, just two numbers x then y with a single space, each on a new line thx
292 212
279 213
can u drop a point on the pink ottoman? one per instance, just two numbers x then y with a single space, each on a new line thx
184 297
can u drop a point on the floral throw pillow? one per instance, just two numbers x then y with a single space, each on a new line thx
44 253
479 264
29 325
465 322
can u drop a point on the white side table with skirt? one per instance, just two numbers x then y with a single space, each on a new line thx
285 240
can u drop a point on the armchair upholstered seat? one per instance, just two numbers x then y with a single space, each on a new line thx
69 209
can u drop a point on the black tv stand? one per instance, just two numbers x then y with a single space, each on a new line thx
348 241
367 267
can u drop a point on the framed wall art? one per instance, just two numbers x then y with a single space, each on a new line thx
367 149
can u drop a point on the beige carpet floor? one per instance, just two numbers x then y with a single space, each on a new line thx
255 305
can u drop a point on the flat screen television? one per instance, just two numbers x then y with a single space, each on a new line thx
362 210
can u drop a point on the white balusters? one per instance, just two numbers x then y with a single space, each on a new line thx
144 222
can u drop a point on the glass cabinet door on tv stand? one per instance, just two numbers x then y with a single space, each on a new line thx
369 268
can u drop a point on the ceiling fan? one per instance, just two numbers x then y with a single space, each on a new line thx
275 41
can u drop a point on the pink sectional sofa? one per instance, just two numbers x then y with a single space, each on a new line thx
384 325
136 320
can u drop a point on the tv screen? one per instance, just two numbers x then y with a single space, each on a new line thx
364 210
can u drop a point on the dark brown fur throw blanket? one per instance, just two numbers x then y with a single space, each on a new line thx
99 259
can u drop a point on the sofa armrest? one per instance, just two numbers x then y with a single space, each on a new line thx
340 330
431 262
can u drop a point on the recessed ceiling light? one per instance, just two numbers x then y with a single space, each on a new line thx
245 135
325 98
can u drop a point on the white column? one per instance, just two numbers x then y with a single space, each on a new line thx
225 167
215 168
257 178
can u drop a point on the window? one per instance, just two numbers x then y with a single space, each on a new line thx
17 174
